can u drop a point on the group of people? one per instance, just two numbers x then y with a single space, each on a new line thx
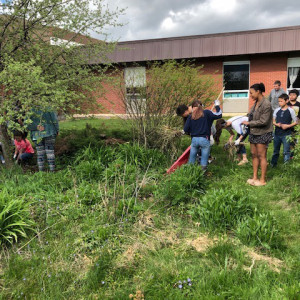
281 111
43 129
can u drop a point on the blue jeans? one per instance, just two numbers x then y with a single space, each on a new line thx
26 156
203 144
286 148
242 148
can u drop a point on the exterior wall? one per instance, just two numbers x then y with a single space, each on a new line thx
267 69
110 100
263 68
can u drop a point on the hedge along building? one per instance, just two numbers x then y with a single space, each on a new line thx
236 59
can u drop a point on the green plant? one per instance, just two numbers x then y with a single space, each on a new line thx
222 209
184 185
152 107
142 157
259 230
14 218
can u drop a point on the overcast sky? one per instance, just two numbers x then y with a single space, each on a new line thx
148 19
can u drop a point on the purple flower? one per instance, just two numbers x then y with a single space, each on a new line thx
180 286
189 280
102 282
190 284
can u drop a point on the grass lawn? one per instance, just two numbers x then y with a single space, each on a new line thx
111 225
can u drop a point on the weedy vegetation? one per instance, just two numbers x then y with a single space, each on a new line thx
110 224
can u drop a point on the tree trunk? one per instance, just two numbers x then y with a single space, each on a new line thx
6 146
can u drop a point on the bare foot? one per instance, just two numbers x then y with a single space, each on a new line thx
259 183
251 181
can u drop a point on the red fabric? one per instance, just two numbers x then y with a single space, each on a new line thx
24 145
183 159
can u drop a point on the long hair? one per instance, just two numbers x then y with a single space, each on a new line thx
219 126
197 110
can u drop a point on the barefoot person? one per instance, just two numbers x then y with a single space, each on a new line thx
261 127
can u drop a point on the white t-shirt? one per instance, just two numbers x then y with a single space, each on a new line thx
236 123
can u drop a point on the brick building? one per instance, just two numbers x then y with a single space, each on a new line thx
239 59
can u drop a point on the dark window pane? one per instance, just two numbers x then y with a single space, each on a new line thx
236 77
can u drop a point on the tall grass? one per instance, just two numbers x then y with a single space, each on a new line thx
15 219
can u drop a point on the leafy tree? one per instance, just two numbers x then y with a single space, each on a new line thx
45 55
152 103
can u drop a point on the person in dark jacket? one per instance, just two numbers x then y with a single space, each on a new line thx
43 131
198 125
261 128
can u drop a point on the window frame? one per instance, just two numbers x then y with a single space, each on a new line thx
292 62
238 62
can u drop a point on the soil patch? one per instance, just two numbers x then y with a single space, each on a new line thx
202 243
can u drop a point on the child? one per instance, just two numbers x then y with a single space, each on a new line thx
295 105
284 118
198 125
24 150
242 133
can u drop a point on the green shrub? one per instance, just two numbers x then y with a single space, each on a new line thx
259 230
14 218
222 209
184 185
141 157
90 163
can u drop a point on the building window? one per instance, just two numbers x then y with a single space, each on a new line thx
135 82
293 73
236 79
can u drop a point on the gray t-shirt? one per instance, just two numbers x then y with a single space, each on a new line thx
273 97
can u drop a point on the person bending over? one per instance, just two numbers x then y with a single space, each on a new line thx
235 123
23 149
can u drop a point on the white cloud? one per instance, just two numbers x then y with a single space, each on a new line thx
222 6
168 24
146 19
